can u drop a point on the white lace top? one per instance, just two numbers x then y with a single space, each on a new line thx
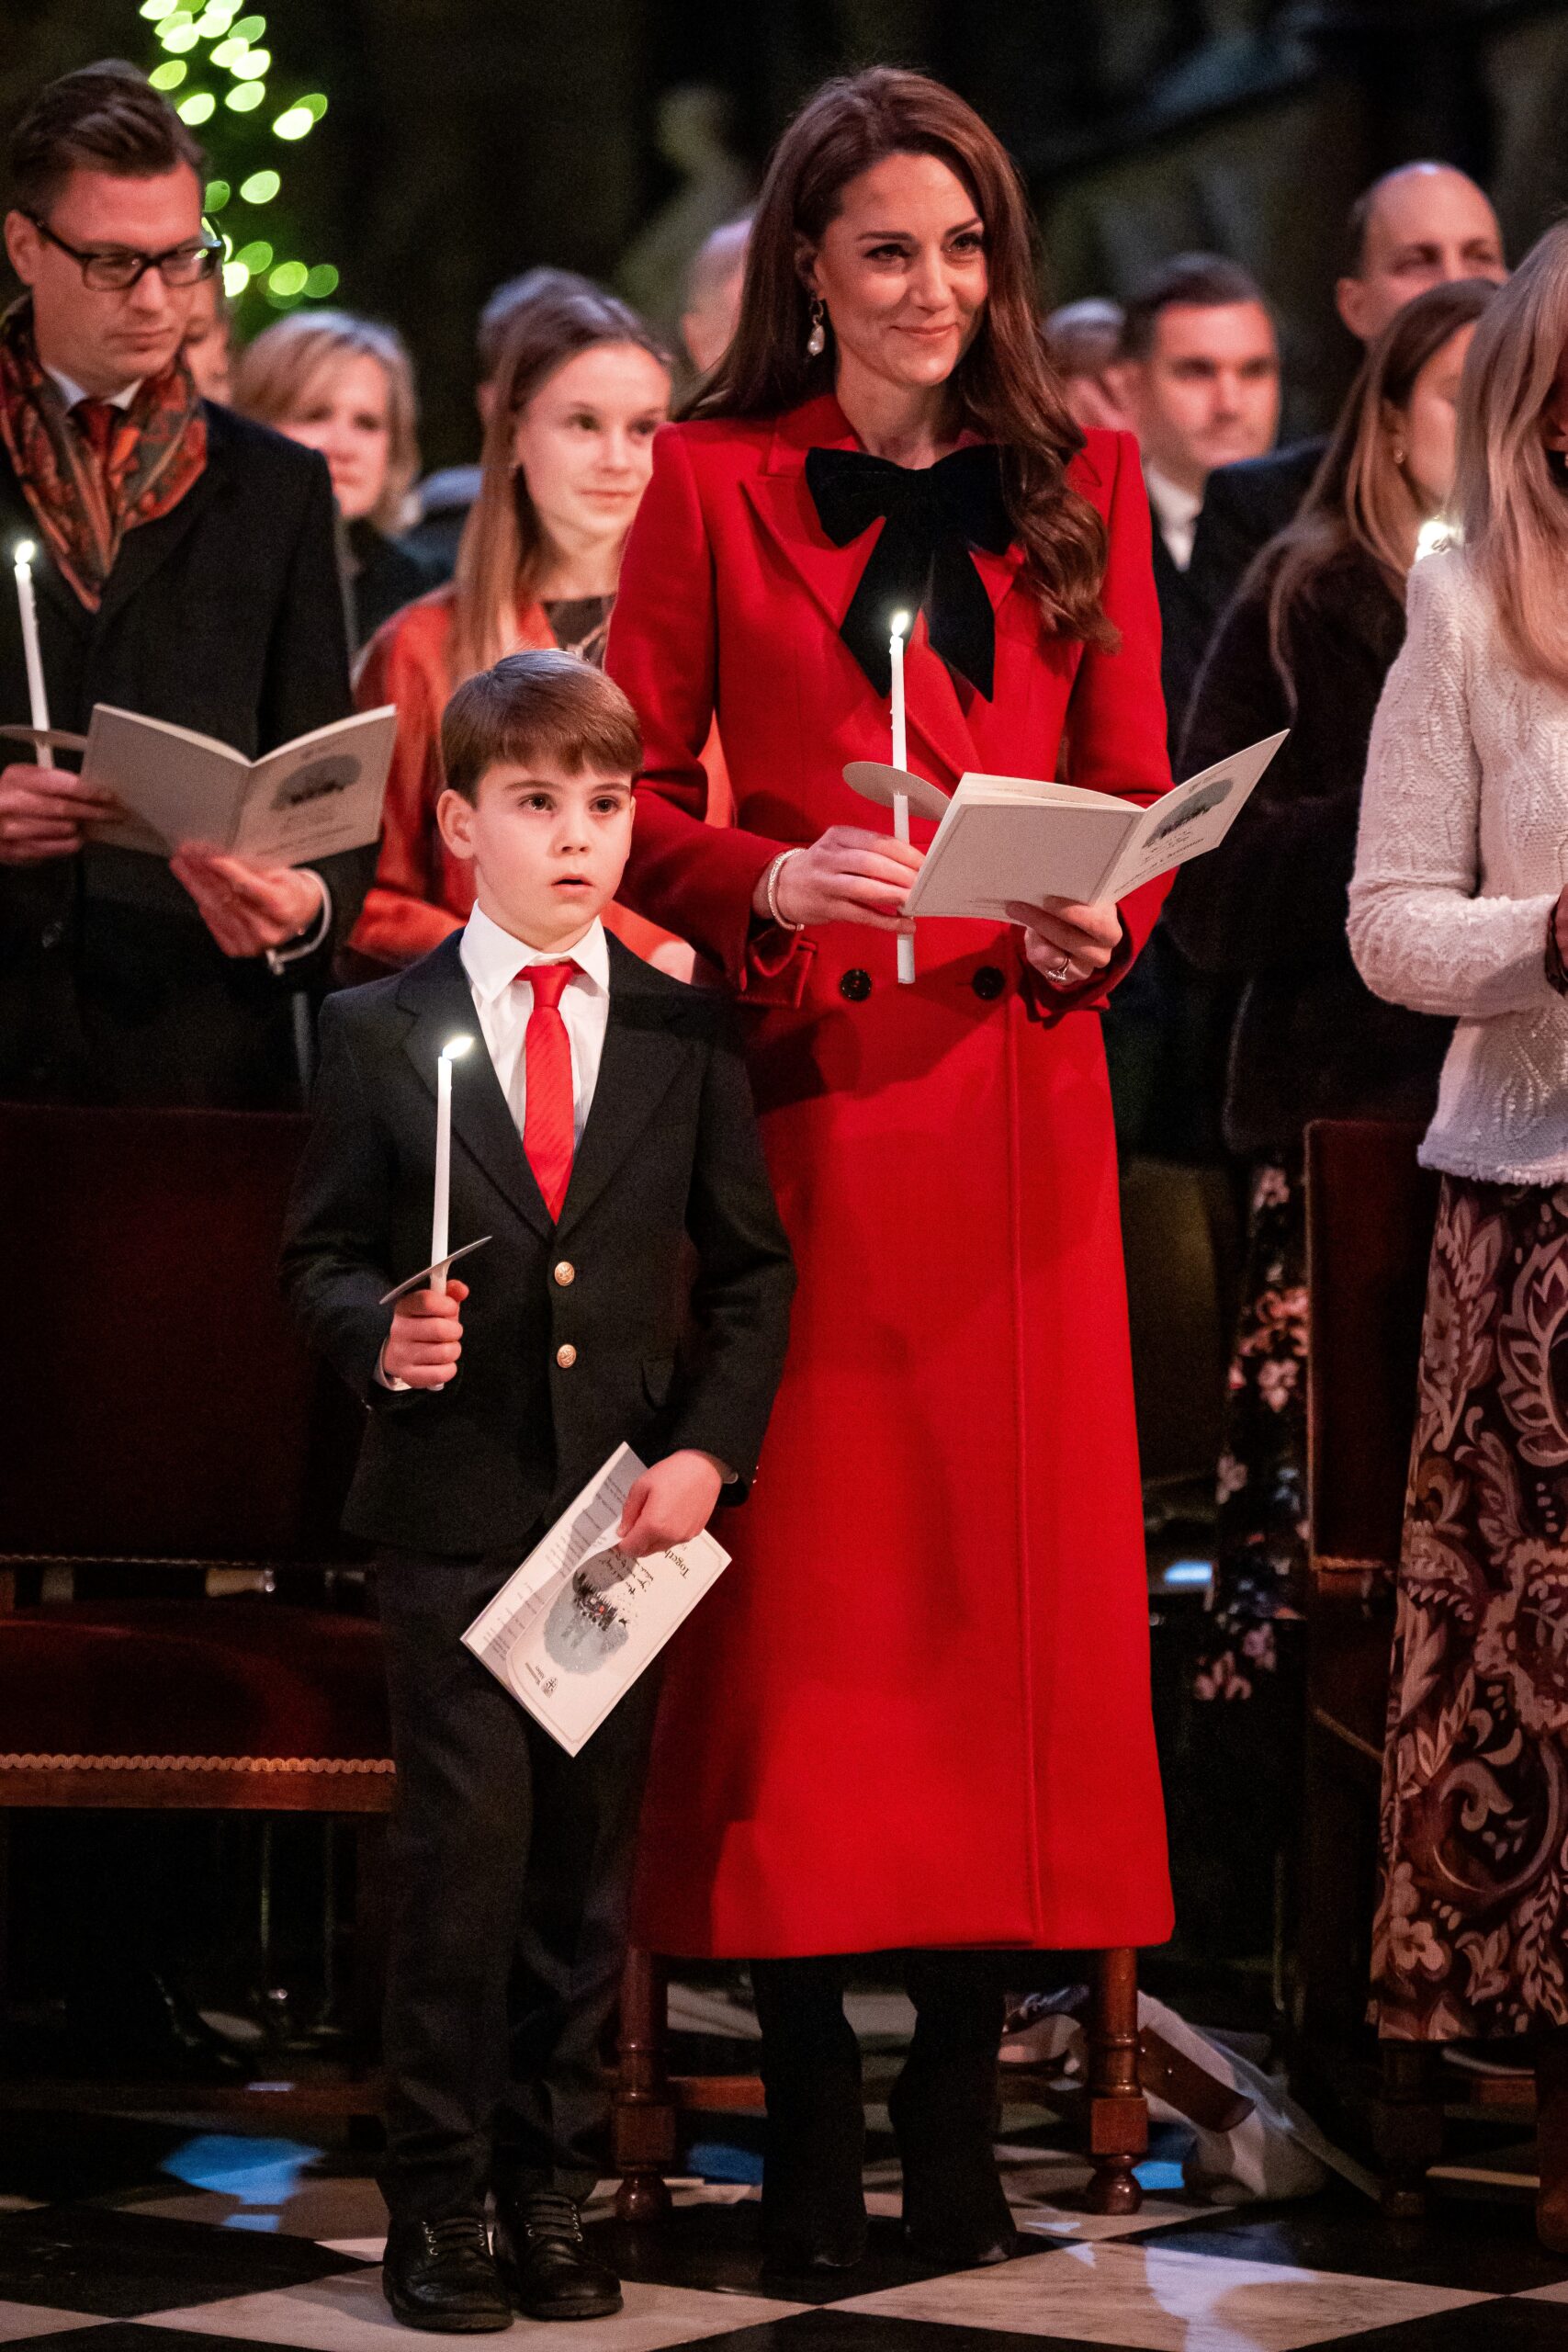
1462 851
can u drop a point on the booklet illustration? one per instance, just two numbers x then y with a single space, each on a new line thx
1005 838
572 1629
308 799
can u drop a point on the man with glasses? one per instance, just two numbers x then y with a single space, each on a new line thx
185 569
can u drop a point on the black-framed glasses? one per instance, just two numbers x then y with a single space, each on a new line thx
115 270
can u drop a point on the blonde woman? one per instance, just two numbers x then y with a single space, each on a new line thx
1457 909
581 390
345 386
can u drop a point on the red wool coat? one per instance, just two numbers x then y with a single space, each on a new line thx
916 1710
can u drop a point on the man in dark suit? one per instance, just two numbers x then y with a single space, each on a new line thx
1199 375
602 1127
1419 226
185 569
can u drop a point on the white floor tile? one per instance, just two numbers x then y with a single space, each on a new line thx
347 2314
1158 2301
1074 2228
18 2320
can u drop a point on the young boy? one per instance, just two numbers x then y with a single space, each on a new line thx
604 1124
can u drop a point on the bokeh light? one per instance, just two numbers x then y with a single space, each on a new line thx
322 281
260 188
217 196
198 108
170 76
245 97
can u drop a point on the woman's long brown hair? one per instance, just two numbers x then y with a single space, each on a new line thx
502 552
1004 387
1359 498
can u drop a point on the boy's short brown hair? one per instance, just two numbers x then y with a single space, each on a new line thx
103 117
542 705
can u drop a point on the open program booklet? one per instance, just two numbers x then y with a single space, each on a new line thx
1007 838
576 1625
308 799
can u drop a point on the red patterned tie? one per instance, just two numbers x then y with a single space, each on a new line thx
548 1121
98 421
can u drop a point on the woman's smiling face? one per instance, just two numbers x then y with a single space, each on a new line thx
902 271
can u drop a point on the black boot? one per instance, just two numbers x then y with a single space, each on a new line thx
814 2221
549 2270
944 2113
439 2275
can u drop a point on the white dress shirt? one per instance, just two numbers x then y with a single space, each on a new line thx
1175 512
71 393
492 958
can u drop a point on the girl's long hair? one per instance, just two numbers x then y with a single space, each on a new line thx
1510 492
1359 498
1004 387
277 374
501 556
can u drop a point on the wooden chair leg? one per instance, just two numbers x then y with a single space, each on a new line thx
1118 2111
1407 2125
643 2124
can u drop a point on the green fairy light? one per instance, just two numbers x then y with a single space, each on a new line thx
229 52
250 27
245 97
178 36
156 10
198 108
236 277
257 256
216 196
288 279
260 188
170 76
322 281
294 122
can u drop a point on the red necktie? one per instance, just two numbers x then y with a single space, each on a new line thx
548 1118
98 421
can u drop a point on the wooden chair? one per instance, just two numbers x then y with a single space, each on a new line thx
163 1414
650 2101
1370 1211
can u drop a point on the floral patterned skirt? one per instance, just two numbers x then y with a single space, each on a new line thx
1260 1552
1471 1940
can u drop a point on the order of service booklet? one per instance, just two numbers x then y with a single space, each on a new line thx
1005 838
572 1629
308 799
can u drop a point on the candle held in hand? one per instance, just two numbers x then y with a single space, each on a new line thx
37 694
901 762
452 1051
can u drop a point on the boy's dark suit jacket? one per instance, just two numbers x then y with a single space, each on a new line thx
225 615
670 1150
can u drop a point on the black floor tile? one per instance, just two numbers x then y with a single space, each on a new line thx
1487 2248
1510 2325
834 2330
52 2156
115 2265
718 2247
132 2336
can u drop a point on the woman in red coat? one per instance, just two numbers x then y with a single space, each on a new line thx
915 1713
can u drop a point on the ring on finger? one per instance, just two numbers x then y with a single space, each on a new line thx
1060 972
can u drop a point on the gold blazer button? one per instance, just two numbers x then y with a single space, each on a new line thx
566 1272
566 1356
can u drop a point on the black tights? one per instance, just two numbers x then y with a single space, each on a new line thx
809 2045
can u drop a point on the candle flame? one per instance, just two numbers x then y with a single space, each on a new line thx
454 1048
900 624
25 550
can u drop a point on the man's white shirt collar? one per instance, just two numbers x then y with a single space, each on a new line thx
1175 514
492 957
71 393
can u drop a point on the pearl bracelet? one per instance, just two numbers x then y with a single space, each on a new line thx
770 889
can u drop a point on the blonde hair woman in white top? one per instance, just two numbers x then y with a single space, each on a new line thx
1458 907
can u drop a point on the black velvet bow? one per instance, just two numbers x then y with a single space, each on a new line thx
921 560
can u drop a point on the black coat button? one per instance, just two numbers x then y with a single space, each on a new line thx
854 984
51 934
989 980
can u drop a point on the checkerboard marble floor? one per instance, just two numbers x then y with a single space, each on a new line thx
155 2238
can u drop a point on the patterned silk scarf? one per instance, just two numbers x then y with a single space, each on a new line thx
85 500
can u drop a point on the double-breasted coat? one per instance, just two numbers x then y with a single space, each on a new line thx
915 1710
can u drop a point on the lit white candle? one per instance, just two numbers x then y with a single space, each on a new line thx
901 799
450 1053
37 694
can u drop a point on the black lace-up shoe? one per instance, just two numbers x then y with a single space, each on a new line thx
544 2261
441 2275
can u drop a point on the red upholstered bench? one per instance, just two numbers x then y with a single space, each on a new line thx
163 1416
